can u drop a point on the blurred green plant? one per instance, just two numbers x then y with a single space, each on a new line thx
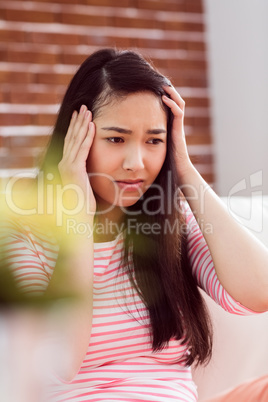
25 197
12 296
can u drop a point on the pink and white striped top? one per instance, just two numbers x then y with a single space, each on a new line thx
120 364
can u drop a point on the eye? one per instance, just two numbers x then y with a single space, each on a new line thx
155 141
115 140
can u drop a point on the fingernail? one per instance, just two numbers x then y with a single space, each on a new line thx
83 108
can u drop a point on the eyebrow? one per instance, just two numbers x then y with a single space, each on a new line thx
125 131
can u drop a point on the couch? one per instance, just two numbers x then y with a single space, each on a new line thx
240 350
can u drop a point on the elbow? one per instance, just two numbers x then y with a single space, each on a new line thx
67 375
259 298
260 308
264 307
67 367
257 303
264 301
261 305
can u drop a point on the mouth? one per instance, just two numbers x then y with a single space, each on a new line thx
130 181
130 185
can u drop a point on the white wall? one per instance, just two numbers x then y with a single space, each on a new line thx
237 37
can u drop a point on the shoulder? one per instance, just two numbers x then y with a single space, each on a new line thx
27 230
29 250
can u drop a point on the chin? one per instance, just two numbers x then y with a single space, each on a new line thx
127 203
107 204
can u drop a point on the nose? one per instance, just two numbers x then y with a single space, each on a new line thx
133 159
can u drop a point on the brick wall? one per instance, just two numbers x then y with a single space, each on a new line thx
42 42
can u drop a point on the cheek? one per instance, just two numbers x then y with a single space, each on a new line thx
94 159
164 155
102 159
161 159
102 183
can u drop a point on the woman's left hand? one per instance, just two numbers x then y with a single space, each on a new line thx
242 270
177 106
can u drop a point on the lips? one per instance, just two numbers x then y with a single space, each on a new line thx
130 185
130 181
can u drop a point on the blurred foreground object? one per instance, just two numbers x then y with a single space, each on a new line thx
27 320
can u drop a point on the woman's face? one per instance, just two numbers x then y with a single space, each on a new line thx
129 149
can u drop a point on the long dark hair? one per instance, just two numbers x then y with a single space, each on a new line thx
159 267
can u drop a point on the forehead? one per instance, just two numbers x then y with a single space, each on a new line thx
139 104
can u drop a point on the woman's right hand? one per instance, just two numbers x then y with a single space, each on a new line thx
72 166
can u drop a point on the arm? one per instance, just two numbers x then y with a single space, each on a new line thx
76 250
62 267
70 327
44 274
240 260
203 268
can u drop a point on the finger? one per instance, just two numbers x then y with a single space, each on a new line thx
177 126
71 166
75 124
74 127
79 137
171 91
70 130
175 108
86 144
76 117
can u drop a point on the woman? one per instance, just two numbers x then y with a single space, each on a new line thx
134 252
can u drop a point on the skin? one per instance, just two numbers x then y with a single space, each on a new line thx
129 159
240 260
129 144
